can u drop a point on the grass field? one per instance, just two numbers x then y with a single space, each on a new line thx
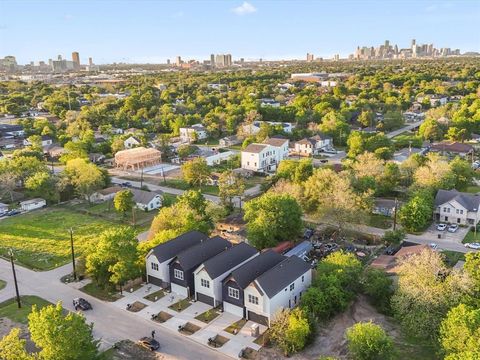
2 284
10 309
41 241
470 237
183 185
452 257
473 189
101 293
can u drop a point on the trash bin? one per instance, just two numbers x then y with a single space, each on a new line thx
255 330
439 236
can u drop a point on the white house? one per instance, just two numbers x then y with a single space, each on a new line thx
32 204
105 194
209 275
217 158
254 128
193 133
280 287
265 157
269 102
3 208
313 145
160 256
146 200
131 142
229 141
45 139
452 206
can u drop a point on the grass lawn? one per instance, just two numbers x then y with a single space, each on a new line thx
169 199
208 315
416 349
10 308
470 237
157 294
40 239
101 293
2 284
180 305
182 185
452 257
473 189
236 326
380 221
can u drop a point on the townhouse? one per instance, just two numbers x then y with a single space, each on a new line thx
452 206
265 157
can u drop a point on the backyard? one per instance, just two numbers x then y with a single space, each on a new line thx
40 240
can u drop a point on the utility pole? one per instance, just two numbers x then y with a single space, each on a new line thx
395 216
141 180
73 255
15 279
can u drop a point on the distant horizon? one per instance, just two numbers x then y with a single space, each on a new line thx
144 32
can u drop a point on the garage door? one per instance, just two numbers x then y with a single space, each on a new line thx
155 281
205 299
180 290
258 318
233 309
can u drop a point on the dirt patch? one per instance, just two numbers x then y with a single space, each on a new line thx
162 316
136 306
188 329
217 341
127 350
330 340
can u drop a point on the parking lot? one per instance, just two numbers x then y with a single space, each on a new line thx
432 234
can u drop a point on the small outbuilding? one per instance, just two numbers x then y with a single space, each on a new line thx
32 204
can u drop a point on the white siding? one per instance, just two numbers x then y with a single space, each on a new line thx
163 269
200 274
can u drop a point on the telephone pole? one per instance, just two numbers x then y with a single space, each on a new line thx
15 279
395 215
73 255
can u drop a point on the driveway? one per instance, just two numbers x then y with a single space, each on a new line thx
457 237
111 323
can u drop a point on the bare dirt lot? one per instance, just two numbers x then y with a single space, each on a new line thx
330 340
128 350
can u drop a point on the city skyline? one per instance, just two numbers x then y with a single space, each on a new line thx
252 30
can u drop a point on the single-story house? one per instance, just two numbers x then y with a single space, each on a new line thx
234 284
105 194
147 200
280 287
452 148
209 275
184 264
457 207
3 208
389 263
32 204
159 258
46 140
401 155
131 142
229 141
385 207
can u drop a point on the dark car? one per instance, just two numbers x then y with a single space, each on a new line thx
82 304
126 184
307 234
149 343
13 212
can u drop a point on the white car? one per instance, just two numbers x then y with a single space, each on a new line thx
475 246
441 227
452 228
433 246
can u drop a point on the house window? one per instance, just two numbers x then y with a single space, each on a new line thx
461 212
303 278
457 211
205 283
178 274
154 266
292 286
252 299
444 209
234 293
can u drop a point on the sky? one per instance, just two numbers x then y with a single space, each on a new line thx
152 31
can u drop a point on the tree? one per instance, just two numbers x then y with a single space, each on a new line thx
61 336
435 173
377 285
330 196
290 330
366 118
84 176
368 165
426 291
117 145
472 267
295 171
43 184
194 200
185 150
272 218
393 237
230 186
431 130
416 213
462 173
112 260
196 172
123 201
368 341
12 347
460 333
392 120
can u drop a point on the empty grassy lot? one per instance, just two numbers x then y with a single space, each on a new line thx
40 239
10 309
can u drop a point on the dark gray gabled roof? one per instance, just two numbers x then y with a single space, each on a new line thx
470 202
173 247
193 257
248 272
228 259
279 277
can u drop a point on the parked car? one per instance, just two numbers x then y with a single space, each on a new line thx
330 151
126 184
82 304
452 228
434 246
149 343
475 246
441 227
13 212
307 234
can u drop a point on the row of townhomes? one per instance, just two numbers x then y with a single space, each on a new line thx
237 278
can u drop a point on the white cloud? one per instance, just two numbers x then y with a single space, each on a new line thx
245 8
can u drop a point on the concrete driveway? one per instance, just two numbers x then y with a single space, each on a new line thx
457 237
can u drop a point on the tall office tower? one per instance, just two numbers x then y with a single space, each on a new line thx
59 57
178 61
387 44
76 60
212 60
309 57
168 61
414 42
220 60
90 61
50 62
228 60
396 49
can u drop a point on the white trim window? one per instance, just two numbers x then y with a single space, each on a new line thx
205 283
233 293
252 299
154 266
178 274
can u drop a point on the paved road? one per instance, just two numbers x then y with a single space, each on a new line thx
111 324
409 127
